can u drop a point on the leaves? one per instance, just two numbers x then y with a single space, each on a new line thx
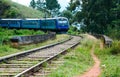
98 14
33 4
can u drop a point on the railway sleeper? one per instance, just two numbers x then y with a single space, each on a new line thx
13 69
30 59
40 75
39 57
5 71
15 65
7 74
48 69
23 62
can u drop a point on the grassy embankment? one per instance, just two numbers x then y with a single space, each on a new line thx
6 49
110 60
14 10
76 62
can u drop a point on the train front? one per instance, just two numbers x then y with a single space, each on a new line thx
62 24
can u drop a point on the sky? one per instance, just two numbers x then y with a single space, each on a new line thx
63 3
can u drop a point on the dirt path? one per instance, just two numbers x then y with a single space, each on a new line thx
95 70
101 45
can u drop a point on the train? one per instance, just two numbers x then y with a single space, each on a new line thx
54 24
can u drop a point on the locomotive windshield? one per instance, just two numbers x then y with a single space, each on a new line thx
63 22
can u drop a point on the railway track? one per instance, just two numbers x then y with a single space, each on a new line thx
26 63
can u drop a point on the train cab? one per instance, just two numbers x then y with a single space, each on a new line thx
62 23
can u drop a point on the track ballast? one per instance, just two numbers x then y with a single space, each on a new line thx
26 64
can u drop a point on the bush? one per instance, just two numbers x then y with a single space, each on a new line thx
115 48
113 32
73 31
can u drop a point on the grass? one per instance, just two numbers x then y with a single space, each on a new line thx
27 12
6 34
76 62
16 10
7 49
110 60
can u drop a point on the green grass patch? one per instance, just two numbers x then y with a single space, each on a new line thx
7 49
5 33
76 62
110 60
14 10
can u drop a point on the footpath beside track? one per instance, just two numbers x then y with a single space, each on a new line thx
26 63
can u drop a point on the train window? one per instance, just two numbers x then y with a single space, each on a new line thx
62 22
48 22
3 22
13 22
30 23
51 22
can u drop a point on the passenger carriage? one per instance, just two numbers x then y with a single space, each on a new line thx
10 23
30 24
4 22
48 24
54 24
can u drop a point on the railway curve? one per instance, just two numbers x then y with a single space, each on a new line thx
25 63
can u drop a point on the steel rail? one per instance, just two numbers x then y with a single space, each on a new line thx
36 67
25 63
17 55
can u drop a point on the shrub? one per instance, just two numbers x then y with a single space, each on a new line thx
115 48
73 31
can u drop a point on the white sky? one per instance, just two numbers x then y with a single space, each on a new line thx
63 3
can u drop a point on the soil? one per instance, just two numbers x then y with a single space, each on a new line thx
95 70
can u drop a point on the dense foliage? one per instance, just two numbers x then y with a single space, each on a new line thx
33 4
50 6
99 16
6 11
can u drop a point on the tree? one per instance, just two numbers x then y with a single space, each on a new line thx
41 4
98 14
33 4
73 5
53 6
8 11
78 16
67 14
4 6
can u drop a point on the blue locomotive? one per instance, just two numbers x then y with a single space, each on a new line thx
56 24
